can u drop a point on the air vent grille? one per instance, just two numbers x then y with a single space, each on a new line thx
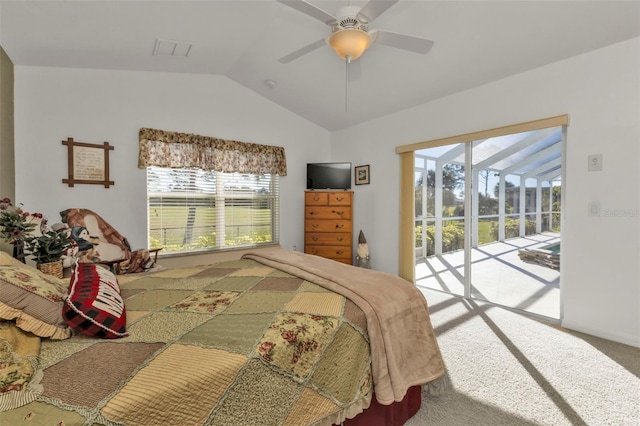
172 48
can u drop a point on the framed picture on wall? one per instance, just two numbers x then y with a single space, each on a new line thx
362 175
88 163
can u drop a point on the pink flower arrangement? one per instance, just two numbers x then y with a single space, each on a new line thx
15 223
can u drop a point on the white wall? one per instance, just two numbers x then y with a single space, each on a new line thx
94 106
600 90
600 276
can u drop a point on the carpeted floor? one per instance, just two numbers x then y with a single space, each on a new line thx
508 369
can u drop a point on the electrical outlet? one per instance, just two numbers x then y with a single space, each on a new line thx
294 248
594 208
595 163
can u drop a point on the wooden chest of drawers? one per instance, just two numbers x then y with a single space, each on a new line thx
328 224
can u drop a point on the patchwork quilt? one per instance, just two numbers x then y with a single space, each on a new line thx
275 338
235 343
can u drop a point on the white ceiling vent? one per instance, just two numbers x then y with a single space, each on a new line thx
171 48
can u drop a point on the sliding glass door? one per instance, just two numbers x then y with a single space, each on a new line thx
440 218
487 219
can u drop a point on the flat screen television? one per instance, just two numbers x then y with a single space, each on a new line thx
328 175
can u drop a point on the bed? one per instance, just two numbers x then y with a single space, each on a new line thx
275 338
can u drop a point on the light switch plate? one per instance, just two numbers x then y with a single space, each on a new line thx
595 163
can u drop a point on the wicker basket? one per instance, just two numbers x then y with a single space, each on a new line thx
51 268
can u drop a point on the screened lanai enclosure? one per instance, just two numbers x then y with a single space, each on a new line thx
487 219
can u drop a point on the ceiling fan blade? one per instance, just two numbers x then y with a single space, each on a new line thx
302 51
403 41
375 8
309 9
354 70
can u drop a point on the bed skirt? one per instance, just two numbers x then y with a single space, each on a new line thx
395 414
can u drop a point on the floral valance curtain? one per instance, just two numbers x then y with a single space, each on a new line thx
178 150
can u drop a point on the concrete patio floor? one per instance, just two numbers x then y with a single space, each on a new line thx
498 275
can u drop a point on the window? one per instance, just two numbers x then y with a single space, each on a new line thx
194 210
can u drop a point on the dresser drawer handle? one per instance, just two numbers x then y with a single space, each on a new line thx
314 238
339 198
340 212
314 251
339 251
316 198
314 225
312 213
339 239
339 226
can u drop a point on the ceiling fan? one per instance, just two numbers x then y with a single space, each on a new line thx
350 34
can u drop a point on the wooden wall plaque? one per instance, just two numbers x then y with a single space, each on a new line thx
88 163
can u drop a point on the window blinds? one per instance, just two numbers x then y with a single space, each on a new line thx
192 209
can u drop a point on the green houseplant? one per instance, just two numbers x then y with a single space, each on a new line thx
47 250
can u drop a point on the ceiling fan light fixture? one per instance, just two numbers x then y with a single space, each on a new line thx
350 43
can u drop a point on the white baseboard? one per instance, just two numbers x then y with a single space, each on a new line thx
605 334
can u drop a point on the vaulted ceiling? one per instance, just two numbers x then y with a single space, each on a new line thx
475 42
